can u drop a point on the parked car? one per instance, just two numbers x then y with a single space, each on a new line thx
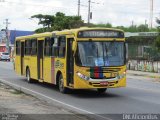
1 54
5 56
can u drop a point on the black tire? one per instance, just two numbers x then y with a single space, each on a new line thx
61 87
101 90
29 79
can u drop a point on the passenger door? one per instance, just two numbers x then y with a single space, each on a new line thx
40 59
70 62
22 57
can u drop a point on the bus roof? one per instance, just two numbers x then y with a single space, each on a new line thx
74 31
64 32
46 34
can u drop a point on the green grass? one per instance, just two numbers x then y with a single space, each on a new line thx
17 92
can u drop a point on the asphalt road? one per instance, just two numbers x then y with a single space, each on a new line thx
141 95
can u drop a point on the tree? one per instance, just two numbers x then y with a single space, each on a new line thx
132 28
45 20
59 21
157 42
107 25
143 28
158 21
122 28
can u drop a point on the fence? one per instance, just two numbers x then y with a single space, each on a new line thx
144 65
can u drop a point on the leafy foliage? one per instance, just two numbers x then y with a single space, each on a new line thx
158 21
157 42
108 25
60 21
57 22
143 28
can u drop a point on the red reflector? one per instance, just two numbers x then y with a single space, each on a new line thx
104 83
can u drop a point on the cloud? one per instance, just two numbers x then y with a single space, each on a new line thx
117 12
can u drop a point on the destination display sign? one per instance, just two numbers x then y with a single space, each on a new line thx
100 34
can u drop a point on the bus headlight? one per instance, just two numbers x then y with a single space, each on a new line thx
122 76
82 76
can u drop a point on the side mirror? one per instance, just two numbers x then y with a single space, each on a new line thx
73 45
126 52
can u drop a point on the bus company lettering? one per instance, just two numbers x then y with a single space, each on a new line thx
100 33
59 64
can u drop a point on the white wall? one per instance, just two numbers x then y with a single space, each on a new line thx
143 65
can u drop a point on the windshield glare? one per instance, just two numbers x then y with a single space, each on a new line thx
100 54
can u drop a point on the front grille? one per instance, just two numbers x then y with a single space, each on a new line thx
97 84
102 78
103 73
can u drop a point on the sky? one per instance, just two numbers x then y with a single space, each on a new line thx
116 12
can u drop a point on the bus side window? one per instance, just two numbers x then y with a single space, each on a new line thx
47 51
54 47
28 47
34 47
62 46
17 47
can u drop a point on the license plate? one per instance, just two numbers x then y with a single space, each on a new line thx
103 83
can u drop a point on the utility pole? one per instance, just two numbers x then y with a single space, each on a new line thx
89 9
78 7
145 23
132 23
7 35
151 13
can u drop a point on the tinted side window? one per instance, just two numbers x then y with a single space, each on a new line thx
52 47
28 46
47 51
34 47
17 47
62 46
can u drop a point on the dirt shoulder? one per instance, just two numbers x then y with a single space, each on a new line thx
17 105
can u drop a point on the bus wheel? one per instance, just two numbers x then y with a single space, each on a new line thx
62 89
29 80
101 90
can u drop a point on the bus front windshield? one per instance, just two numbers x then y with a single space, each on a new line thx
91 54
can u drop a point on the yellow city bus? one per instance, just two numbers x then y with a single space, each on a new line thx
84 58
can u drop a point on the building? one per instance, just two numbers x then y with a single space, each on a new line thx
140 45
12 35
142 54
17 33
2 37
